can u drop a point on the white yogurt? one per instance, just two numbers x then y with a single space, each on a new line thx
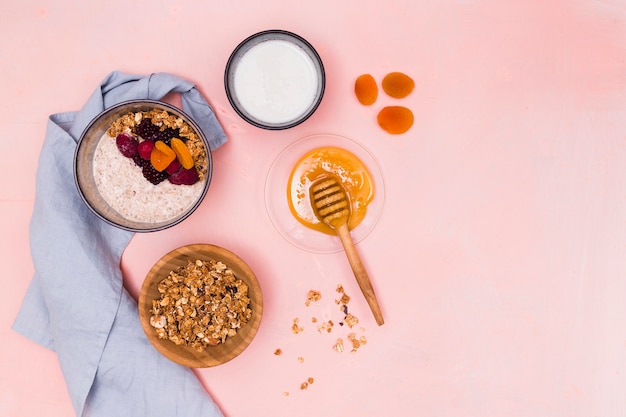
276 81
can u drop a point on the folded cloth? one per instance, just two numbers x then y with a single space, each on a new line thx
76 304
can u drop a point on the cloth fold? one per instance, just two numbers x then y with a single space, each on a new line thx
76 304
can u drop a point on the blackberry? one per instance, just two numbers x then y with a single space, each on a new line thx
147 130
152 175
167 134
139 161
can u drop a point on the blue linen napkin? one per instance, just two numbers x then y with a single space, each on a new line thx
76 304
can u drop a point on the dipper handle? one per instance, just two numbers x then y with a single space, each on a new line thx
331 205
360 273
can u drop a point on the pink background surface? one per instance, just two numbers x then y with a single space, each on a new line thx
499 257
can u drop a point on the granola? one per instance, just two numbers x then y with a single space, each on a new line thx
128 122
201 304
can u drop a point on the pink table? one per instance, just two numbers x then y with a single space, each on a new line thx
498 258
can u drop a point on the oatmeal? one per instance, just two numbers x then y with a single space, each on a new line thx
150 166
123 186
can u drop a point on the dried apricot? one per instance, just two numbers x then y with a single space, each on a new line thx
398 84
366 89
395 119
182 153
161 156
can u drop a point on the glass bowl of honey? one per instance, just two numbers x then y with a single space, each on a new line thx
298 165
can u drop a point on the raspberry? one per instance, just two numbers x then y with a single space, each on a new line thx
173 167
184 176
147 130
127 144
152 175
145 148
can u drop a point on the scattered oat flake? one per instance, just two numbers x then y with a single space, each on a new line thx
286 393
313 320
304 385
310 380
300 359
278 352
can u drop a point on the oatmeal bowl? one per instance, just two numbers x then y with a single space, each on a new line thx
200 305
143 165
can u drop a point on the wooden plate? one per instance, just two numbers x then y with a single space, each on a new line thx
212 355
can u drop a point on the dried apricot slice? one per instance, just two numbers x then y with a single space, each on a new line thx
398 84
182 153
366 89
395 119
161 156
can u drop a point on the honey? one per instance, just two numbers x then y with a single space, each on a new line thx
353 174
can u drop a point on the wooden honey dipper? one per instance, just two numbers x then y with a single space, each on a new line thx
331 205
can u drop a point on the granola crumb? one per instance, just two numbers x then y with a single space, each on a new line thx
351 320
300 359
278 352
295 327
312 296
286 393
304 385
339 345
326 326
345 298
